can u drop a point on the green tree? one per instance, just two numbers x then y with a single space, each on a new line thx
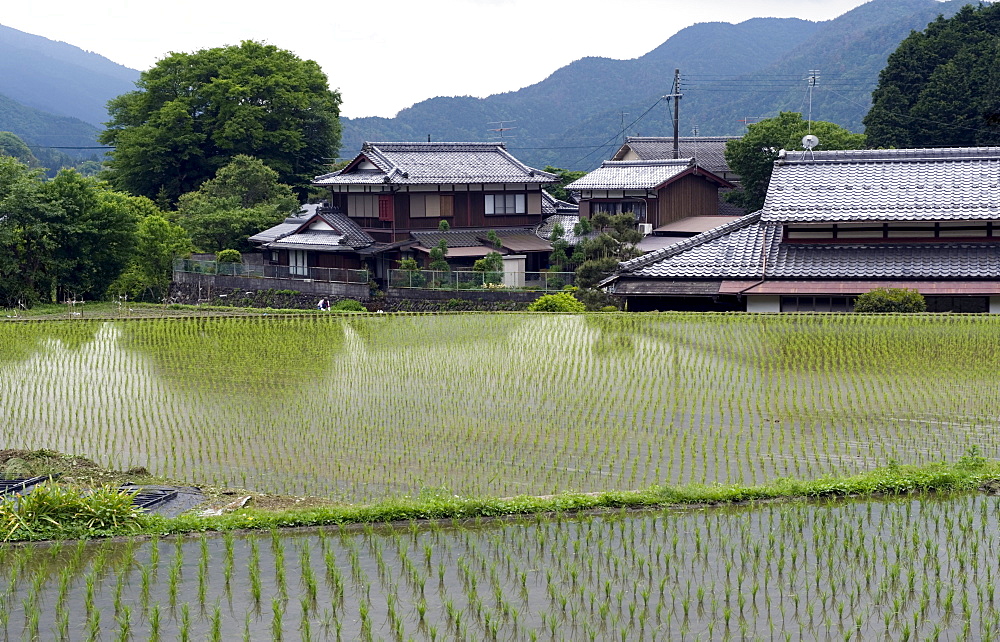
12 145
558 258
558 190
193 112
752 156
559 302
158 243
890 300
244 198
598 257
437 256
941 87
69 236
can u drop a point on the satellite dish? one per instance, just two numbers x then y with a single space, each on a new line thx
809 141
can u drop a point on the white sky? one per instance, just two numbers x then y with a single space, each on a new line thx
385 55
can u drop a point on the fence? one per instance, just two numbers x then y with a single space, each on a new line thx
465 280
297 273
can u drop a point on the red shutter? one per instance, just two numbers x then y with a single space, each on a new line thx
385 209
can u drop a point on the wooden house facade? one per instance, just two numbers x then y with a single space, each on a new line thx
657 193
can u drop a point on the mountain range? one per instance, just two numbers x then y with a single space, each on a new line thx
52 93
729 72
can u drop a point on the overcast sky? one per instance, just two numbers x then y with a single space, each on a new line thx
385 55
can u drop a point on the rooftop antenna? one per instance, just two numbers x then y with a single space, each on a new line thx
501 127
624 137
813 79
694 131
750 120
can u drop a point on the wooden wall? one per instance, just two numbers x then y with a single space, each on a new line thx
688 196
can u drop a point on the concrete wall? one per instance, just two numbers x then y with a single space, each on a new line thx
761 303
211 282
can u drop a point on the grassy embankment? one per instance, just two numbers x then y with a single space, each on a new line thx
26 522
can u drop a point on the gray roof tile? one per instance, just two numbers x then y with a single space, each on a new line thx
738 251
708 150
465 237
437 163
885 185
632 174
346 234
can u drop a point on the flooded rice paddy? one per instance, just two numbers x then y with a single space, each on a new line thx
363 408
910 569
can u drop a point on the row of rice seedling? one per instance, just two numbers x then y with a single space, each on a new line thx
361 408
920 568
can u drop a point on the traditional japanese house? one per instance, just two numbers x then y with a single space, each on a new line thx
836 224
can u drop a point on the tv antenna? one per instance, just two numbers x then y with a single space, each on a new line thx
501 127
812 79
624 137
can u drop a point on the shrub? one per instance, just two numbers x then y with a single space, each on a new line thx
51 510
561 302
348 305
229 256
890 300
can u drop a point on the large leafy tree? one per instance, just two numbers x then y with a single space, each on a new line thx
244 198
193 112
941 87
66 237
752 156
158 243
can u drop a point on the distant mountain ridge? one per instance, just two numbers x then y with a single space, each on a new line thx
729 71
55 94
59 78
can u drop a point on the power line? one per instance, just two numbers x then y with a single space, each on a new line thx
619 133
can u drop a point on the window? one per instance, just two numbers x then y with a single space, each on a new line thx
817 304
362 205
500 204
431 205
298 263
385 208
613 208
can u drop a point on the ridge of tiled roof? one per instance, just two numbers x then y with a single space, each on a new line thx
443 162
881 155
689 243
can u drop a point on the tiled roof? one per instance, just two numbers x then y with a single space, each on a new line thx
742 249
552 205
437 163
632 174
346 234
885 185
356 237
281 229
464 237
568 222
729 251
708 150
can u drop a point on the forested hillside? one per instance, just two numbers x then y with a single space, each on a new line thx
729 72
59 78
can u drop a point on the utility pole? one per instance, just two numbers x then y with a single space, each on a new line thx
676 95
